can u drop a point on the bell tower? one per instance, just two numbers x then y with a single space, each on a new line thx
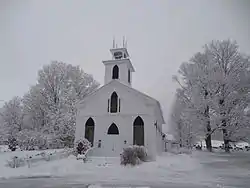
119 67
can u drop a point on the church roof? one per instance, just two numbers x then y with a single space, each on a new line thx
156 102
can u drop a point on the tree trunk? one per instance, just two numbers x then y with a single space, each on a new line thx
226 140
208 143
180 144
208 128
224 124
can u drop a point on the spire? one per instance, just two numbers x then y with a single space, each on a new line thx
123 42
113 42
126 44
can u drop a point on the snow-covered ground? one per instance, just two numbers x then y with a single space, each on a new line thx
199 168
167 168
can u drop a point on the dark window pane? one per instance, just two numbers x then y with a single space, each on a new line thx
89 130
115 74
118 55
129 76
138 131
113 129
114 100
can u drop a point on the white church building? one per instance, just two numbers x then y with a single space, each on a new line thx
116 115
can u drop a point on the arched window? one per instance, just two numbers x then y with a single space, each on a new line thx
129 79
115 74
138 131
113 129
114 102
89 130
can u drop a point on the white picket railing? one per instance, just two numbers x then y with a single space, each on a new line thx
16 161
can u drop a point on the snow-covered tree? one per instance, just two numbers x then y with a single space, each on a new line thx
50 105
35 109
182 126
12 117
217 84
196 84
233 83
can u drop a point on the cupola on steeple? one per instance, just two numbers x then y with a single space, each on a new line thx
119 67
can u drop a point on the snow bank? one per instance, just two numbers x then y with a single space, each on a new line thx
215 143
4 148
167 168
242 144
218 143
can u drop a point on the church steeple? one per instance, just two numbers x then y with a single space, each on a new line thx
120 66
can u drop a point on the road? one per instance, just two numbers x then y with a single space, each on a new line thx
230 171
63 183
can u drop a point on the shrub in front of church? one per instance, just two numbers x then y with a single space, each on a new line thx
141 153
81 146
133 155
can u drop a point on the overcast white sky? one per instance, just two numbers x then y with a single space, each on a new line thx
161 35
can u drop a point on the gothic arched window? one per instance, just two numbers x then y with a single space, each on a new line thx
89 130
114 103
115 72
113 129
138 131
129 78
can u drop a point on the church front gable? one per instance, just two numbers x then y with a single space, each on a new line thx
115 99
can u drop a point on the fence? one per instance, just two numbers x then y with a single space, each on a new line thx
16 161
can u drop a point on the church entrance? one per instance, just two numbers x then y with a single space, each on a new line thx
138 132
90 130
113 141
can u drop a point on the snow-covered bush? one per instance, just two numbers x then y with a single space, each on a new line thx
54 142
31 140
134 155
16 162
81 157
128 156
12 143
81 146
141 153
68 150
